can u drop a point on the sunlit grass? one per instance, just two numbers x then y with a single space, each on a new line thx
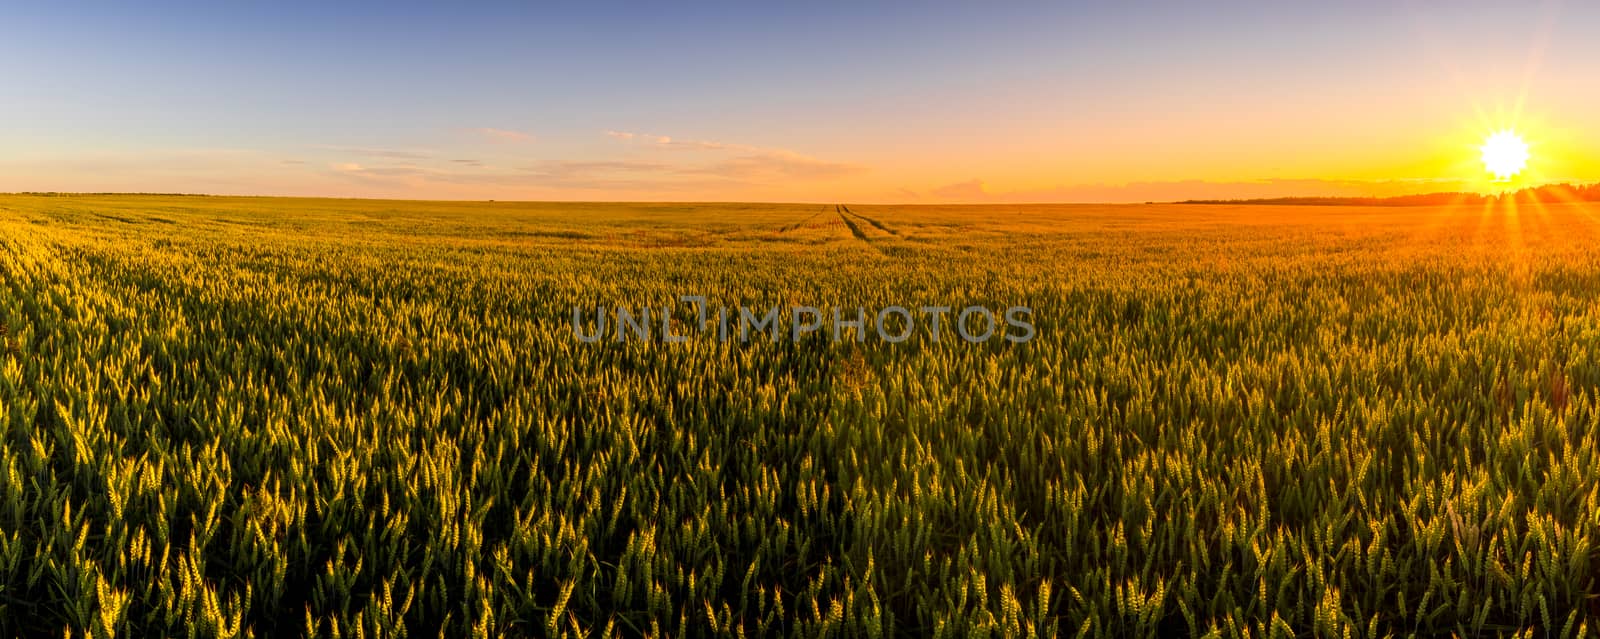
260 417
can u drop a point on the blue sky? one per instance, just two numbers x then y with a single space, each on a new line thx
778 101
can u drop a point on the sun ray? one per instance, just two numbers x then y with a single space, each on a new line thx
1540 220
1581 232
1511 217
1442 222
1480 238
1536 51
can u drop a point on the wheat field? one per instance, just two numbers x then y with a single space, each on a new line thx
233 417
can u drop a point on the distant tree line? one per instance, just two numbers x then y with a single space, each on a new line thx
1547 194
61 194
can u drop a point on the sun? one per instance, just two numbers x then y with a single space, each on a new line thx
1504 154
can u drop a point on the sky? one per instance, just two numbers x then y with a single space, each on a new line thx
812 101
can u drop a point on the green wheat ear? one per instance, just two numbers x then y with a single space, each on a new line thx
1257 423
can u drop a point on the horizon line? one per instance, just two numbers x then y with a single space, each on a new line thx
1290 199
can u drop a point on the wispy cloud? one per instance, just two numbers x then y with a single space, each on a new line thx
369 152
743 162
618 176
970 190
585 168
621 175
700 145
501 135
648 170
389 171
669 143
780 164
166 170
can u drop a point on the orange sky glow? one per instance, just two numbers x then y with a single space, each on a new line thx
1043 104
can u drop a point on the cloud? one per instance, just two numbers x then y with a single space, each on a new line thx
700 145
667 142
968 191
392 154
748 163
780 164
398 171
547 174
611 175
576 168
442 174
351 169
361 172
719 168
165 170
501 135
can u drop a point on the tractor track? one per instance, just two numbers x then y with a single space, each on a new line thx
854 229
803 222
879 225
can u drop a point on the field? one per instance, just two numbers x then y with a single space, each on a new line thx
273 417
